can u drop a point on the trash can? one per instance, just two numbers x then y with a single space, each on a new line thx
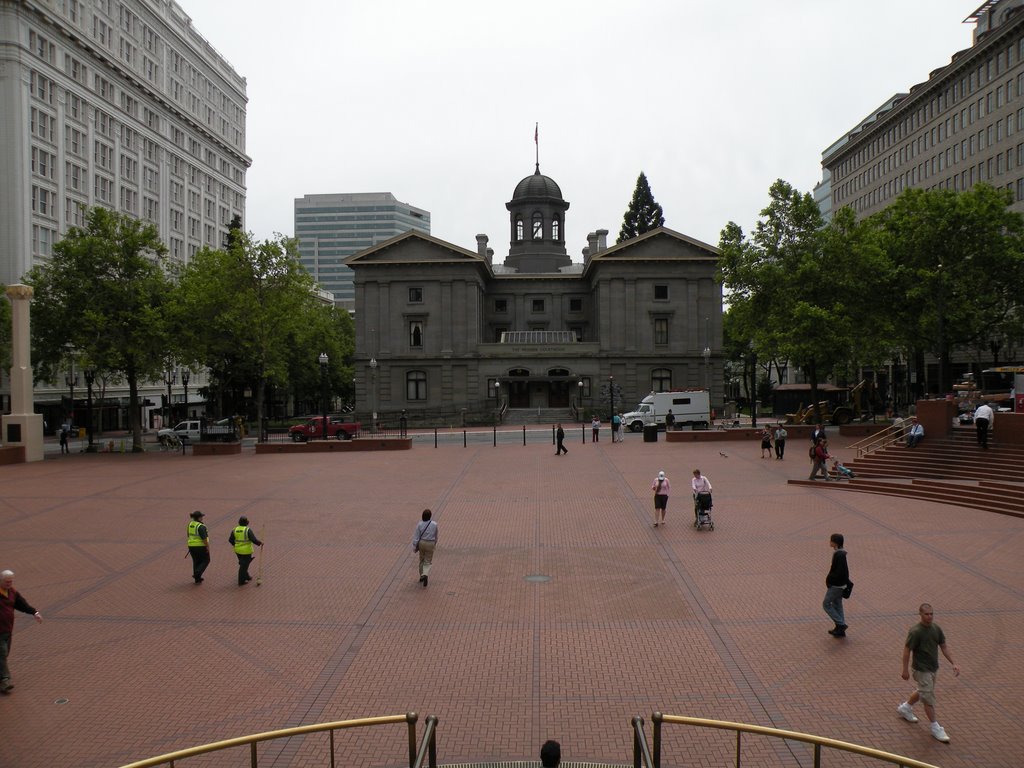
650 433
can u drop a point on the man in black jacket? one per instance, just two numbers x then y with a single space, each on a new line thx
835 582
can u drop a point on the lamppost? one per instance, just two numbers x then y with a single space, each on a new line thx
170 376
90 377
186 374
71 379
323 385
373 384
497 393
579 399
611 397
706 354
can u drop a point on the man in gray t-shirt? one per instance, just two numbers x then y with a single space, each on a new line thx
924 641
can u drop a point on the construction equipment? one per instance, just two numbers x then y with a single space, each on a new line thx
863 393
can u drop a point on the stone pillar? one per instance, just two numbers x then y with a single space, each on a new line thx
22 426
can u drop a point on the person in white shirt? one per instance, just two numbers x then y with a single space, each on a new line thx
424 540
916 433
701 492
983 418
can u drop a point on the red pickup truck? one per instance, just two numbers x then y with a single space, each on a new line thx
313 429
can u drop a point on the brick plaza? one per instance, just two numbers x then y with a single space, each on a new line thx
135 660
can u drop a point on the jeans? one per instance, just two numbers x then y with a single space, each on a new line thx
833 605
5 648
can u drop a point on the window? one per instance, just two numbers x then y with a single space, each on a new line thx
501 305
554 228
661 380
575 305
537 305
577 332
661 332
416 334
74 212
416 296
42 201
538 227
42 240
416 385
661 293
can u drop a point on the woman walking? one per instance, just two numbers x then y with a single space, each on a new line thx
424 541
766 443
661 488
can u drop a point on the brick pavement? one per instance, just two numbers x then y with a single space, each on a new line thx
724 624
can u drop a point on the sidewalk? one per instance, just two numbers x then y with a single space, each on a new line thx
631 619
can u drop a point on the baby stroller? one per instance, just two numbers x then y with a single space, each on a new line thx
842 472
702 511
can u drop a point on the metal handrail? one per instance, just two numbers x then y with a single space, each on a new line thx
879 440
641 751
428 745
818 741
253 739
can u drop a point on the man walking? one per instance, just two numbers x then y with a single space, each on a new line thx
780 441
560 439
10 601
424 542
819 455
924 641
982 423
835 583
198 546
242 538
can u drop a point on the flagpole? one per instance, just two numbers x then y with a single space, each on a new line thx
536 144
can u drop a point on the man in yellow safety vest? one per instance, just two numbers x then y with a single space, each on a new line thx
198 546
242 538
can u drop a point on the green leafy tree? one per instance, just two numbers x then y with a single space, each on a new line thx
241 309
643 213
325 328
960 265
104 297
805 292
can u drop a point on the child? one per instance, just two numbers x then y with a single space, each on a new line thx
841 471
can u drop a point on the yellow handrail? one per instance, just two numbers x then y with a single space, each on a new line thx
254 738
818 741
881 439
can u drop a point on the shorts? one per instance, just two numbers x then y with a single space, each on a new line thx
660 500
925 686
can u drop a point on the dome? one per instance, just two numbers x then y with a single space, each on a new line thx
537 185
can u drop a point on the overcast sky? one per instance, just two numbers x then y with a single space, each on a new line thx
436 101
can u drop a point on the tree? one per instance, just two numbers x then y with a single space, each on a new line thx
643 213
241 310
960 265
104 297
805 292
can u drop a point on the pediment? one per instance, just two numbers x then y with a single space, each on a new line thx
658 245
413 248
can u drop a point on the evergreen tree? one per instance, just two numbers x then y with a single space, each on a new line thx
643 214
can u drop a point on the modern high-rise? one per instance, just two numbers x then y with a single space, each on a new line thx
119 103
331 228
963 126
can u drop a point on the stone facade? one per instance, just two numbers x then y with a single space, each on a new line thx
440 328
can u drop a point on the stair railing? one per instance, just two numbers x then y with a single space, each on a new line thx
891 434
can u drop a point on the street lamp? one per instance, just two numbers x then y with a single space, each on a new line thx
323 384
71 379
90 377
611 397
373 384
186 374
579 399
497 392
170 376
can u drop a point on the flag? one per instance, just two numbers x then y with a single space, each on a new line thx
535 126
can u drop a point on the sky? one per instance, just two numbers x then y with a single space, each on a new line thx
436 102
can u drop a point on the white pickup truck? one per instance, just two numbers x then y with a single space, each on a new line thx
193 430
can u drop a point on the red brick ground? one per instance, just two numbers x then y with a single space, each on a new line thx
724 624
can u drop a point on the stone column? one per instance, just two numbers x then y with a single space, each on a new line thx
22 426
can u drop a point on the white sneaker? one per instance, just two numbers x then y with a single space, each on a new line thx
939 733
906 712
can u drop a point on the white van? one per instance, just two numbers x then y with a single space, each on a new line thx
689 407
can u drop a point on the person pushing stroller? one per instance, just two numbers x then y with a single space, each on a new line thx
701 500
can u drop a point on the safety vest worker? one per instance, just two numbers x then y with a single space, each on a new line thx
194 539
242 544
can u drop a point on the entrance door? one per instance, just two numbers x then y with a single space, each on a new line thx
558 395
518 394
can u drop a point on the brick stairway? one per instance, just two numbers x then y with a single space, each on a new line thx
952 470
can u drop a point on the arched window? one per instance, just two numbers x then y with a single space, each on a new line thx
661 380
416 333
538 227
554 229
416 385
519 229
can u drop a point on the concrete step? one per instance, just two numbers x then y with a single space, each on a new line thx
955 495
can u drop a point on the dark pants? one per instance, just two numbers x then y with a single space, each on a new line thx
982 426
780 448
243 568
200 561
561 448
5 648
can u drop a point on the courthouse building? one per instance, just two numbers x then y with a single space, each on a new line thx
441 328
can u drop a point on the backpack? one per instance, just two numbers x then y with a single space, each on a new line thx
812 453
